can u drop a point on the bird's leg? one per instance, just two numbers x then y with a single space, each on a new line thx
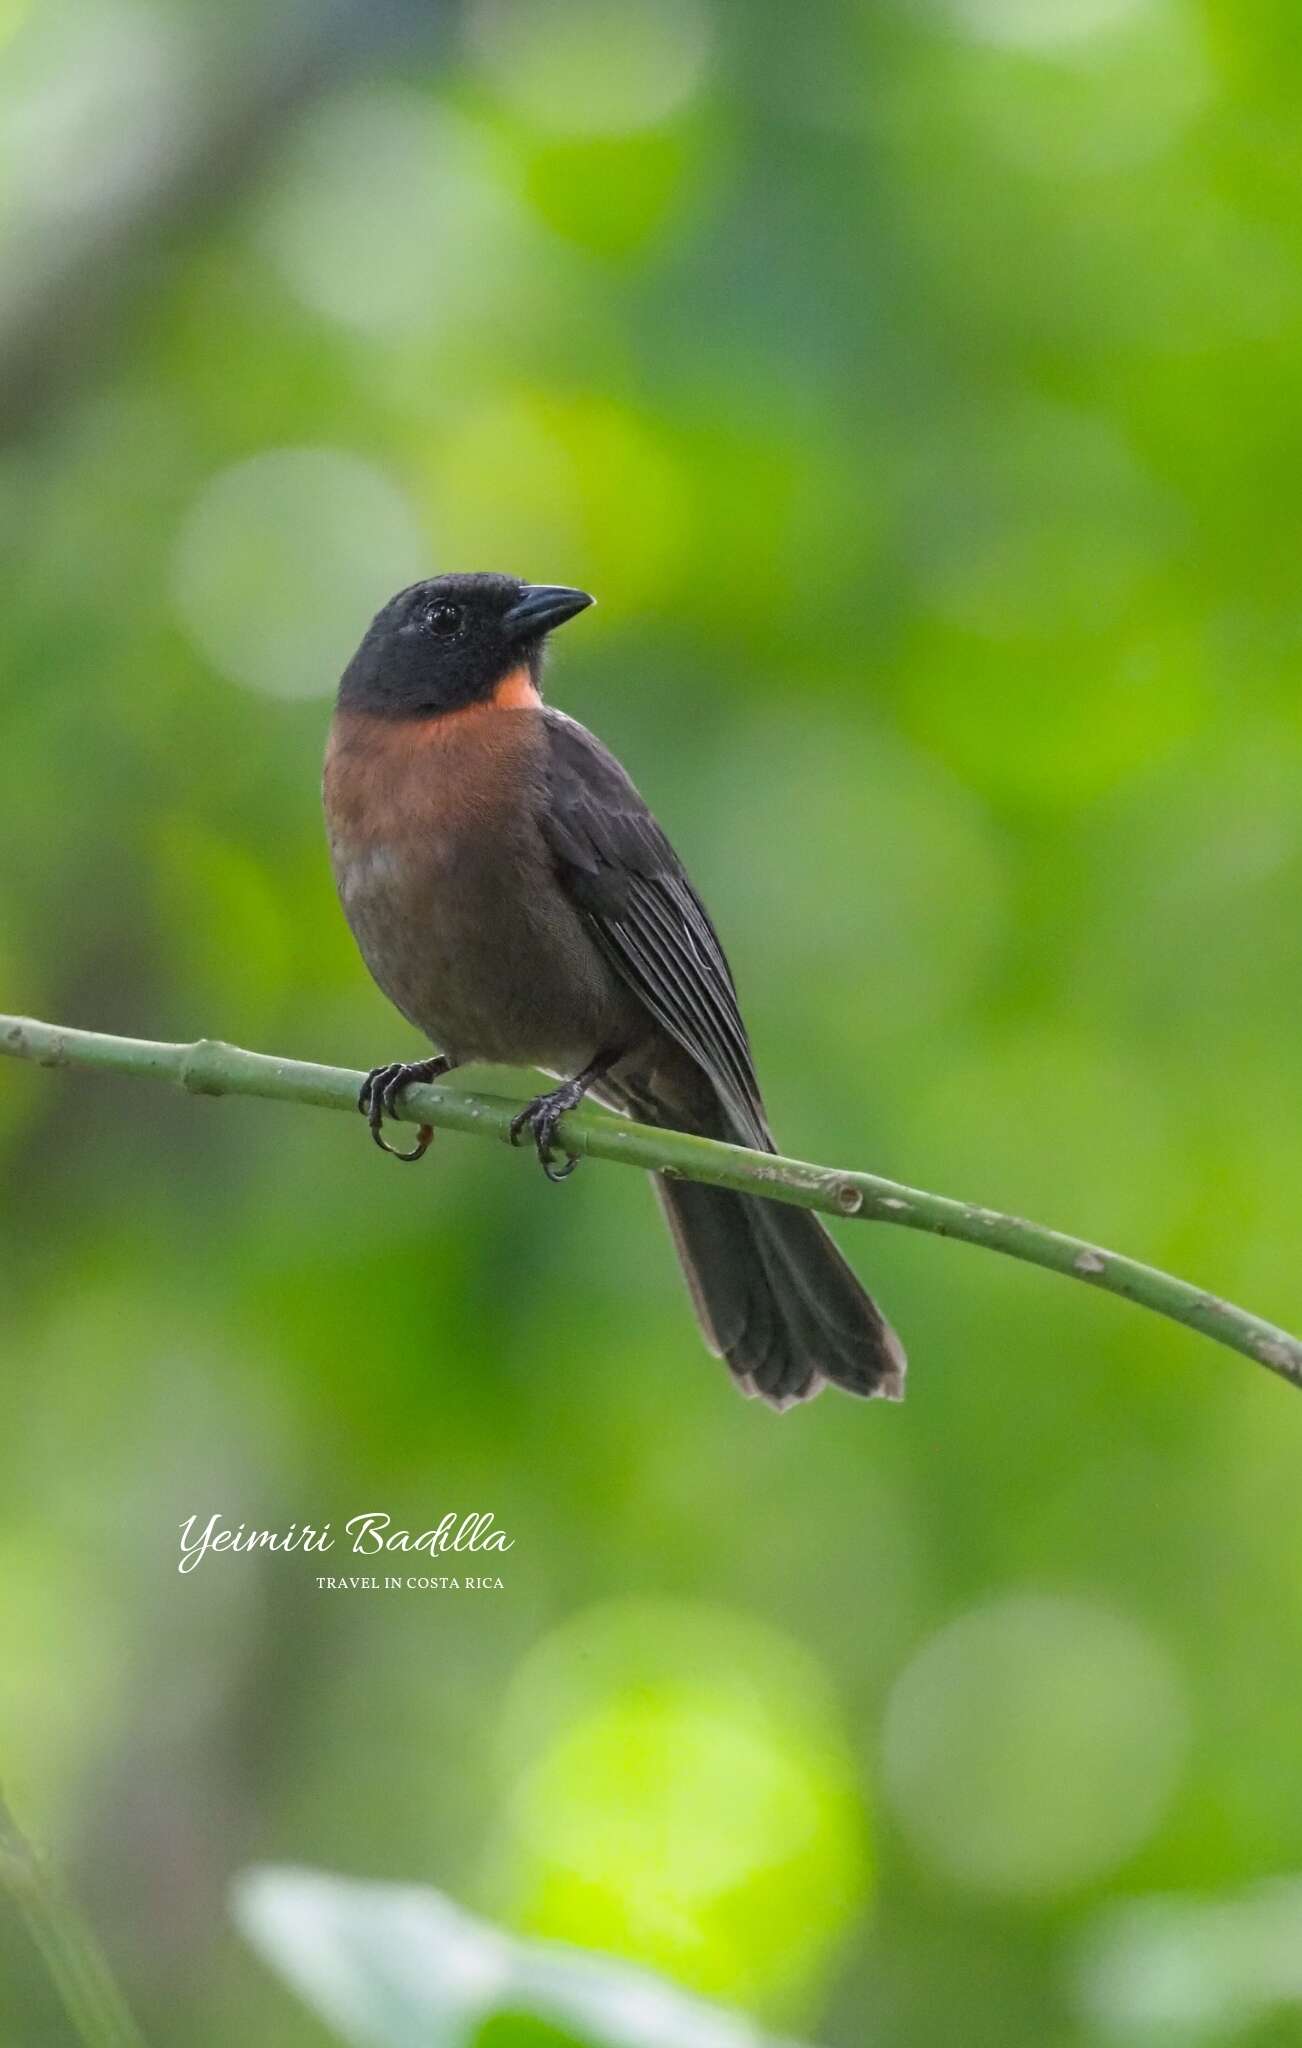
379 1094
542 1115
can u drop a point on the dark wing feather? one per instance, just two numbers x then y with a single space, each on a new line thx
625 878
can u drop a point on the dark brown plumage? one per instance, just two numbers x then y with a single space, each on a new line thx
514 897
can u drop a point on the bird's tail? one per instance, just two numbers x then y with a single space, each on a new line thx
773 1295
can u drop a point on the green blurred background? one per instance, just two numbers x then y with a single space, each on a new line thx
916 384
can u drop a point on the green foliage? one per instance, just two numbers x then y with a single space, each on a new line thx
394 1966
916 385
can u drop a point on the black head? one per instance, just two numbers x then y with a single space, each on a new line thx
450 641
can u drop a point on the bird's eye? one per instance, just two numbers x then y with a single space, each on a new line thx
444 619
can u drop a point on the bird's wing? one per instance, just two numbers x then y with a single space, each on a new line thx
625 878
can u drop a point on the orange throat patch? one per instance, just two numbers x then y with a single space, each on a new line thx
517 691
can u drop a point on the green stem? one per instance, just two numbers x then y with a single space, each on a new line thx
68 1948
211 1068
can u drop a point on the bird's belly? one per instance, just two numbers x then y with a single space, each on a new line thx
481 963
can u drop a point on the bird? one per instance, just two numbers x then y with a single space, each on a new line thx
513 896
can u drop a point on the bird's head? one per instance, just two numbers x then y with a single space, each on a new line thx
455 640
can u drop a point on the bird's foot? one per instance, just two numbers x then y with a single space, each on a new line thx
379 1095
541 1116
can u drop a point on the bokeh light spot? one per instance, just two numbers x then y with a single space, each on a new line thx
1040 24
683 1795
612 194
1134 100
594 497
284 559
1169 1972
338 224
105 99
12 14
593 67
1033 1744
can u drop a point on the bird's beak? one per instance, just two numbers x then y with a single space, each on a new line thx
542 607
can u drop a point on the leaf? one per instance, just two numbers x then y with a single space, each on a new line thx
1170 1969
400 1966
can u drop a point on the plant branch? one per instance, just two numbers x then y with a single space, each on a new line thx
211 1068
69 1949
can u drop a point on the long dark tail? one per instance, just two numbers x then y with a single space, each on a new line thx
772 1293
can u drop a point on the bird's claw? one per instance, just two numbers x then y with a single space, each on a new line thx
378 1098
541 1116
